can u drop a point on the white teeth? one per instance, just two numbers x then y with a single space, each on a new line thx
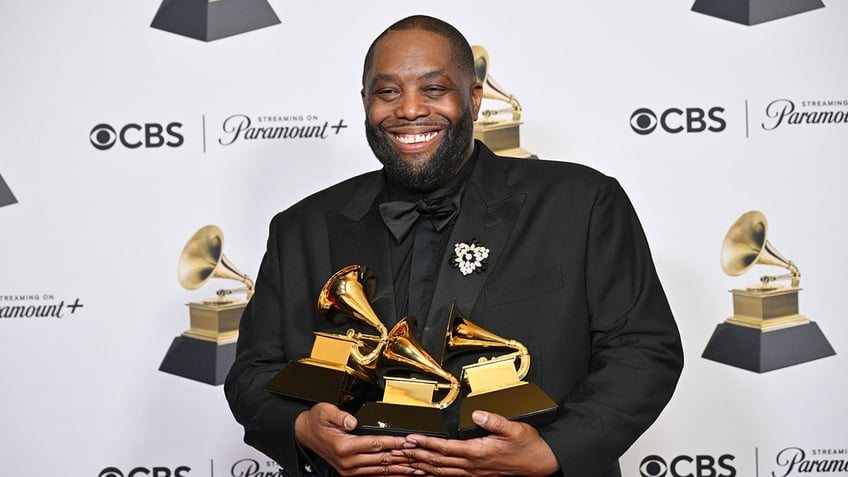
416 138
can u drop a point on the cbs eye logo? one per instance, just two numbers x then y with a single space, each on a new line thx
133 136
181 471
643 121
688 466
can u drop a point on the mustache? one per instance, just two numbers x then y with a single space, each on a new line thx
407 124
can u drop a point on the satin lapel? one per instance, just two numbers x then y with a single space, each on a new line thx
364 240
489 212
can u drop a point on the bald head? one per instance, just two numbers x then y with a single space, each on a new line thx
461 53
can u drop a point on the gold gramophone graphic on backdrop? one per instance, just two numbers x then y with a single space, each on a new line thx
340 368
495 384
206 351
409 404
766 331
501 135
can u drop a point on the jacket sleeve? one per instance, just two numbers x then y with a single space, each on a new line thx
635 350
268 419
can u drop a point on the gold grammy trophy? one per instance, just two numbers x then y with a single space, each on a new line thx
495 384
206 351
501 135
409 404
340 368
766 331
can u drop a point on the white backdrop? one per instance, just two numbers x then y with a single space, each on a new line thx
103 228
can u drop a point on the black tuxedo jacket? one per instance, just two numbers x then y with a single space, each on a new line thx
569 275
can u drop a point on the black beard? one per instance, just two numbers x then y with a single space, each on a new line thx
433 173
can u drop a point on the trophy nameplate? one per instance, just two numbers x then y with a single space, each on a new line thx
206 351
766 331
502 136
752 12
209 20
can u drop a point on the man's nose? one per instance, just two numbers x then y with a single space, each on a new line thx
412 106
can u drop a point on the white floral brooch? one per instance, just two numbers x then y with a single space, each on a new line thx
469 257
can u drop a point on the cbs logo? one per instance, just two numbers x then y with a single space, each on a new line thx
181 471
133 136
643 121
688 466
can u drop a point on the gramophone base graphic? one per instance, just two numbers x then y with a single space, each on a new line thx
757 351
752 12
206 352
503 137
766 333
199 360
209 20
6 196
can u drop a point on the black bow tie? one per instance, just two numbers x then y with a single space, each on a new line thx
401 216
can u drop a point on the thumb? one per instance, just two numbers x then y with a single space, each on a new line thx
349 422
332 416
494 423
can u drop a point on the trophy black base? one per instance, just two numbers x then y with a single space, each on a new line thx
400 420
758 351
319 384
524 403
199 360
205 20
752 12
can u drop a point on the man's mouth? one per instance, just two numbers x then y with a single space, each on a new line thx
416 138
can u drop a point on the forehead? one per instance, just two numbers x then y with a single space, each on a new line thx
410 51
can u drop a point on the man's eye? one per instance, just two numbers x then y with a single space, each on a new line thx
386 94
435 90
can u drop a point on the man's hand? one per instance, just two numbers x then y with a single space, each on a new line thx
512 448
325 428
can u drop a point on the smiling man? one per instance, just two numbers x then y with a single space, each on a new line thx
568 273
420 119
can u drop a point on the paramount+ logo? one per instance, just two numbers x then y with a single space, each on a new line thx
134 136
645 121
688 466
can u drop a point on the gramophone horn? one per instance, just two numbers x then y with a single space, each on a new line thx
745 245
343 296
403 351
491 89
463 335
202 258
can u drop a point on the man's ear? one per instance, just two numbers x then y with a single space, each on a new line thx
476 98
364 104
